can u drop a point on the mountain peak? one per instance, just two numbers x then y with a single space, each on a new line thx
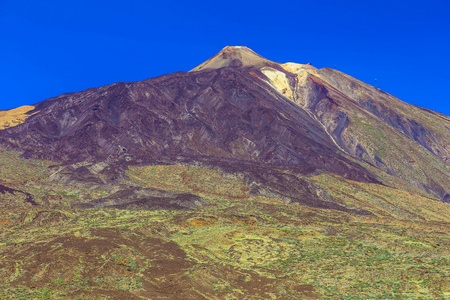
233 56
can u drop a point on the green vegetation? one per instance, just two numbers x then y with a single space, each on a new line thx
237 247
398 153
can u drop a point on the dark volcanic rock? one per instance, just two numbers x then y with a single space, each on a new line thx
137 198
28 197
221 113
265 180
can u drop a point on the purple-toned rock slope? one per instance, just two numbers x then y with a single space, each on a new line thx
240 113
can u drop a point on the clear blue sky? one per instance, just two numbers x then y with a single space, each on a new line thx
51 47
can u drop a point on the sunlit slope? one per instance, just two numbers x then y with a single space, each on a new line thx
233 56
428 128
401 139
15 116
384 201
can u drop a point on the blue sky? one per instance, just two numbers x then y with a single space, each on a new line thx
51 47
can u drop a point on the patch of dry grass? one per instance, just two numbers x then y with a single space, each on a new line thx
15 116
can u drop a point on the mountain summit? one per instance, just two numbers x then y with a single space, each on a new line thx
234 56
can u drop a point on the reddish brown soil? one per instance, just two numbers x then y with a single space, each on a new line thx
5 222
94 266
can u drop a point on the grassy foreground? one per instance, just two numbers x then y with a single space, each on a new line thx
237 247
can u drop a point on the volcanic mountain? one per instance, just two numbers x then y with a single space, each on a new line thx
273 124
243 178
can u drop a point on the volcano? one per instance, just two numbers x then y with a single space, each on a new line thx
243 114
243 178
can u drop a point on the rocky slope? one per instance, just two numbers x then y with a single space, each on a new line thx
244 114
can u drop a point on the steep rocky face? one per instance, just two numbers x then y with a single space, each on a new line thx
365 123
427 128
403 140
243 110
